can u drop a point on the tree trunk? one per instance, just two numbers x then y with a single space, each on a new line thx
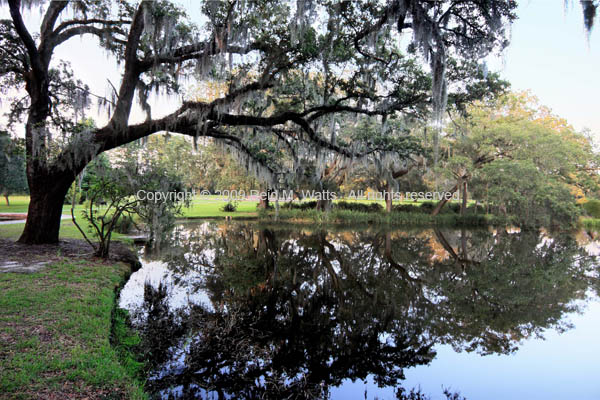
443 202
45 210
324 205
388 198
6 197
463 206
263 201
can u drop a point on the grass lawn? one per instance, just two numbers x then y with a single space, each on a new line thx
205 206
55 330
67 230
210 206
18 204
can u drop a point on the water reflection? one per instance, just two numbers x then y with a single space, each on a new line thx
291 313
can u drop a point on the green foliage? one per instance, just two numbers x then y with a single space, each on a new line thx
130 189
411 208
303 205
109 199
230 206
592 208
427 207
518 156
13 179
361 207
591 224
534 199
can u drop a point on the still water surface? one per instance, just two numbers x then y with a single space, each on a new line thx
241 310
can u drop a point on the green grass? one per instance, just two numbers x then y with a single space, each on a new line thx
68 230
210 206
18 204
590 223
55 331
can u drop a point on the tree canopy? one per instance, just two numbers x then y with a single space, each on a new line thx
287 67
284 71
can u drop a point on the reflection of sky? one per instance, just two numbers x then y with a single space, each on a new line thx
564 366
132 295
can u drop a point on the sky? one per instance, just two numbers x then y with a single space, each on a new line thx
550 55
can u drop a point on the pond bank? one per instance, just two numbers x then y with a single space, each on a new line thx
349 217
61 334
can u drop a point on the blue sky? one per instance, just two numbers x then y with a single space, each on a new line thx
549 55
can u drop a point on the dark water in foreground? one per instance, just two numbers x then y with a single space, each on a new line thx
249 311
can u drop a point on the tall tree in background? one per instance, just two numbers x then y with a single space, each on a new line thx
515 130
369 55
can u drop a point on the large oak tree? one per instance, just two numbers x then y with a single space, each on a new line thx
288 66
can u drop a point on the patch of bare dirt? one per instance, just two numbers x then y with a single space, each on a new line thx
26 258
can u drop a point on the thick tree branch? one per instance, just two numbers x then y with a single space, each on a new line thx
54 10
191 52
81 30
24 34
89 21
131 73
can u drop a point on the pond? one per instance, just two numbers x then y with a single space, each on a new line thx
243 310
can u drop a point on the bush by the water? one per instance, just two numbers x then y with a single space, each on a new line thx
406 208
362 207
592 208
304 205
423 208
428 206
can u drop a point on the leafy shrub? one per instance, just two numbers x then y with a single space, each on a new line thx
428 206
124 224
476 209
453 207
592 208
229 207
409 208
361 207
305 205
269 206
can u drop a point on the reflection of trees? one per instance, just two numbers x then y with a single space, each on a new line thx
508 287
295 313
